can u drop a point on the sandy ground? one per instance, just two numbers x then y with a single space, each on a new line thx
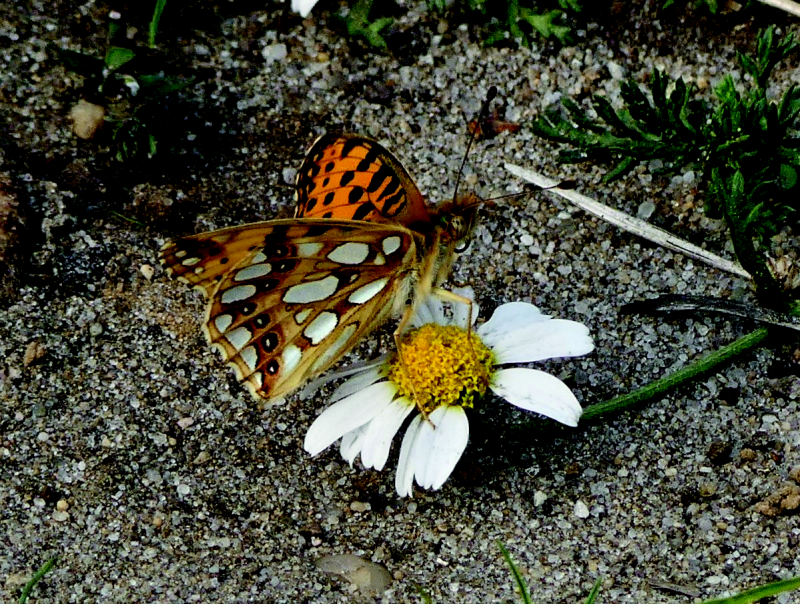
127 449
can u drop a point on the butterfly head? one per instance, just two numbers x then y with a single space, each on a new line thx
457 220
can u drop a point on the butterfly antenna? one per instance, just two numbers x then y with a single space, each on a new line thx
564 185
490 95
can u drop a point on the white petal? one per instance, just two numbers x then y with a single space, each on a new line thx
351 444
361 380
303 6
348 414
460 310
314 385
404 479
535 390
506 319
430 310
437 450
381 431
519 333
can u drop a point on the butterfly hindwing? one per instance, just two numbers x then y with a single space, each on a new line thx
303 297
355 178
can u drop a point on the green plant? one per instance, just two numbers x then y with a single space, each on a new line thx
116 83
358 24
518 22
746 597
153 29
744 145
711 5
37 576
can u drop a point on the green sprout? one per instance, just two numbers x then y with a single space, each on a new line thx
518 20
127 95
746 597
37 576
743 144
358 24
153 29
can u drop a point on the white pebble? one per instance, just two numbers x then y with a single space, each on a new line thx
581 510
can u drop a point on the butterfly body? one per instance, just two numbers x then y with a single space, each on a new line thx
289 297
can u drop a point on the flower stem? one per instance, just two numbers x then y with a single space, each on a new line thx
660 387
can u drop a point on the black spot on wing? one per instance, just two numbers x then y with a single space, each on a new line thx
365 164
355 195
267 285
350 144
285 266
380 177
270 341
316 231
363 211
394 203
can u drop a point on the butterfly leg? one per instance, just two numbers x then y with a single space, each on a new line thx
398 333
446 296
454 298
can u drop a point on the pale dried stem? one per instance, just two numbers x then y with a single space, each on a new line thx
793 8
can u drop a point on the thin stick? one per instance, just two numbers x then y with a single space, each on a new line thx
630 223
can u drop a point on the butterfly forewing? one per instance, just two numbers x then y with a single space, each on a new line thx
355 178
304 293
202 260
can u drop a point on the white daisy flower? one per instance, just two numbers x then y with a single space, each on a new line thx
445 369
303 7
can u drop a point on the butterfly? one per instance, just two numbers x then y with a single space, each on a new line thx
288 298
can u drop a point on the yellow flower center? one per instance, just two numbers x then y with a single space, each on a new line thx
442 365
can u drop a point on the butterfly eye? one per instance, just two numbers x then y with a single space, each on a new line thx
462 246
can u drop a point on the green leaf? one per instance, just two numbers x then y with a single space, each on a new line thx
116 57
357 23
789 107
26 591
544 24
788 177
372 33
595 590
623 167
792 156
765 591
572 5
153 29
159 84
749 65
606 112
438 6
518 579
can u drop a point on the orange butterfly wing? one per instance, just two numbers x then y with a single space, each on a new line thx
295 295
351 177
